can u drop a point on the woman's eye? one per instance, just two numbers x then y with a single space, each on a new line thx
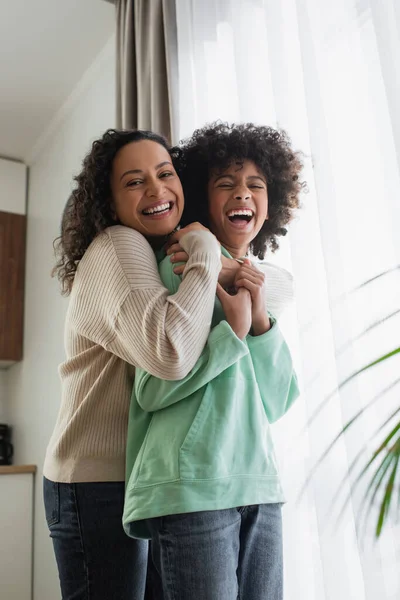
166 174
134 183
225 185
258 187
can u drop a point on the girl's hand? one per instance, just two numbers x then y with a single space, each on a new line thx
229 270
250 278
230 266
237 310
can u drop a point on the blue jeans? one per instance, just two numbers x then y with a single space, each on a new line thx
220 555
96 560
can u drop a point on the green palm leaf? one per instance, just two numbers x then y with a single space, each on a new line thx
351 377
384 461
380 481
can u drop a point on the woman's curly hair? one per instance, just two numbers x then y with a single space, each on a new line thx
90 209
216 146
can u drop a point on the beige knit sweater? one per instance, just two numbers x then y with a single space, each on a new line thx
119 315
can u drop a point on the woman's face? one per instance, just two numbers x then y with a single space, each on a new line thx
238 205
147 192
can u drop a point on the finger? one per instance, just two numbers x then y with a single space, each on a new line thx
179 270
174 238
174 248
179 257
243 291
221 293
247 261
250 286
254 278
250 273
251 269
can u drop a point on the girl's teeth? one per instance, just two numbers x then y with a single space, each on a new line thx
246 213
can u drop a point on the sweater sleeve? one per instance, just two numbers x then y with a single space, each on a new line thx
120 303
279 288
223 349
274 372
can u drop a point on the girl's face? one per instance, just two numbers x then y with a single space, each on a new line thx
147 192
237 205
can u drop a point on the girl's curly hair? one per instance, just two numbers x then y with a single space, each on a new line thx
216 146
89 209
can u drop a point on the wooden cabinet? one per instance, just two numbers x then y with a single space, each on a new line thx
16 526
12 277
12 259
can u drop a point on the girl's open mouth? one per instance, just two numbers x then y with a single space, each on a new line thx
240 217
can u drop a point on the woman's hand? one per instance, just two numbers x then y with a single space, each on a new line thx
178 255
251 279
237 310
178 235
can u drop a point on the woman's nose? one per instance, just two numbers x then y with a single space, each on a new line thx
155 188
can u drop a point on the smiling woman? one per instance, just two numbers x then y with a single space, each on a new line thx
120 316
148 198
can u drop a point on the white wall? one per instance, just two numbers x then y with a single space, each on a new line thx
3 397
33 385
12 186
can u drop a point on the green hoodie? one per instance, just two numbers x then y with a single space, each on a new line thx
204 443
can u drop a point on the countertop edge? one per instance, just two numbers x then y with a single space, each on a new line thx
15 469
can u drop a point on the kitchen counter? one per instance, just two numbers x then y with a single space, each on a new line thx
16 527
15 469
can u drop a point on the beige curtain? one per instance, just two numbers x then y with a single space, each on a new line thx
146 65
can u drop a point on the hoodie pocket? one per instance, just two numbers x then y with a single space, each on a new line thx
229 435
198 424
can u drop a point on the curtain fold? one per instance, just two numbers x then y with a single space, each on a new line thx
146 73
327 72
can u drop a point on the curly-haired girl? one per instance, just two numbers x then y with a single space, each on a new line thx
203 480
214 148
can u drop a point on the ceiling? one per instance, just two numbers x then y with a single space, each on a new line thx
45 48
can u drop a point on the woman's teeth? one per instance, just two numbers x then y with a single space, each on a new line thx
157 209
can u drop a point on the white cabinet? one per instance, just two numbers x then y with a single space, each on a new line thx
12 186
16 522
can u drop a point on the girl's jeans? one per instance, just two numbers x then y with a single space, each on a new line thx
220 555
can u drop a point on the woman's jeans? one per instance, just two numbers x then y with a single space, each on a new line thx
220 555
96 560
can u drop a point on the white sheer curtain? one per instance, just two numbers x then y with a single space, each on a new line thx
329 73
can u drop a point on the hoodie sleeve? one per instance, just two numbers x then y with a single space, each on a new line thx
274 372
222 350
